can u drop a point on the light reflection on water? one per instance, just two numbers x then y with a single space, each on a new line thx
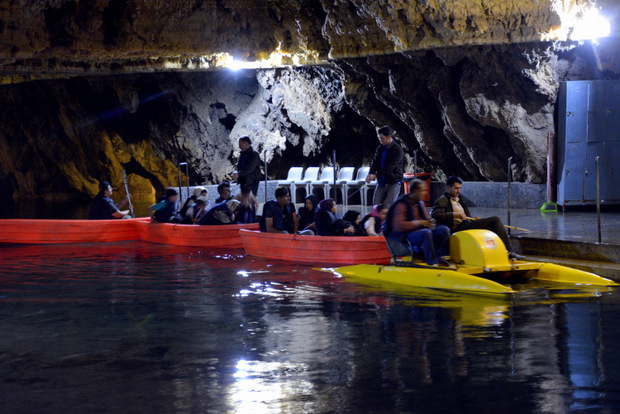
136 327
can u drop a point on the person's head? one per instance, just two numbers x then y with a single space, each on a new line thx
417 189
453 186
223 190
380 211
245 143
385 135
310 202
233 205
172 195
352 216
105 188
199 190
329 205
283 195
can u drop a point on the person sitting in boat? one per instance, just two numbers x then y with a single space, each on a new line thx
279 215
354 217
248 207
221 213
191 200
407 219
166 210
451 211
372 222
307 212
103 208
195 212
224 191
328 223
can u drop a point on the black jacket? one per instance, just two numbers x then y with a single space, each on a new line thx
250 173
393 170
443 212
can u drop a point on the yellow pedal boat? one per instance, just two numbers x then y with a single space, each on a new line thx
478 264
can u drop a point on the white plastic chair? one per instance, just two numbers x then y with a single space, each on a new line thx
311 174
361 184
292 179
345 175
326 181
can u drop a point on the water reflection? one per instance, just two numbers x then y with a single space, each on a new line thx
134 327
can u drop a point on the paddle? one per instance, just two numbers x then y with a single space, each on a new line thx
517 228
127 193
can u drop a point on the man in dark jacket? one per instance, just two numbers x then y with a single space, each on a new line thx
451 211
387 168
104 208
248 167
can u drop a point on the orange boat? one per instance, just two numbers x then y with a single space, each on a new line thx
226 235
47 231
316 249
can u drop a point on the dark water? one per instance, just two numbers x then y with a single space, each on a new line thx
140 328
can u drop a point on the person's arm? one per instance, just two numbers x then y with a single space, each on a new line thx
401 224
121 203
374 165
120 213
295 222
369 226
442 211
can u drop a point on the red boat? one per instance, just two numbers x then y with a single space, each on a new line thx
316 249
47 231
226 235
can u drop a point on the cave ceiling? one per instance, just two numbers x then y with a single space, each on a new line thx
47 38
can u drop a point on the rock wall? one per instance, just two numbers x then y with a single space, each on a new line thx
464 110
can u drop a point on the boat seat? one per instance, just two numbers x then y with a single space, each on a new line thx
293 178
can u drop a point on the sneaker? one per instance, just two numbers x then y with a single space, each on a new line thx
515 256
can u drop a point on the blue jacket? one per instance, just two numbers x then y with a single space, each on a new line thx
282 219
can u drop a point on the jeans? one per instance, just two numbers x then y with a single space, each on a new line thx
432 243
386 194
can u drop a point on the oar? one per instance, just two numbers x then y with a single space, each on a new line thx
517 228
127 192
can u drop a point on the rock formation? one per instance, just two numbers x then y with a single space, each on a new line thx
148 105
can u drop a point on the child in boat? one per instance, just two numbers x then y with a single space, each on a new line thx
353 217
372 223
328 223
166 210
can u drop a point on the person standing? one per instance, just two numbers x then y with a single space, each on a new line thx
451 211
103 208
248 167
387 168
407 219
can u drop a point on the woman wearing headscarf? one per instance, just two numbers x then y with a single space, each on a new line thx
353 217
327 221
221 213
373 221
306 213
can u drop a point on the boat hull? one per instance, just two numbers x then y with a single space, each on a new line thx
26 231
193 235
316 249
472 280
427 277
